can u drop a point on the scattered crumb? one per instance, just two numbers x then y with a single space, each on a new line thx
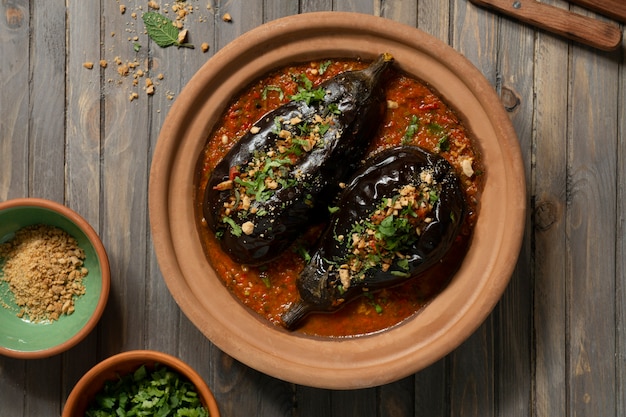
149 87
227 18
130 63
182 35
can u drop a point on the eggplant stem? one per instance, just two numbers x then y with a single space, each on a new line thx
295 314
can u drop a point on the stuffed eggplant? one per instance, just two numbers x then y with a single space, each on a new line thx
270 185
397 217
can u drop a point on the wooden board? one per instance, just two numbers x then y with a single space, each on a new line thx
554 345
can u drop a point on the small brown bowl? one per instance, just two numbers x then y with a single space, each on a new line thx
124 363
24 339
346 363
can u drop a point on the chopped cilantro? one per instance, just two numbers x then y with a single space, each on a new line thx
411 130
159 392
235 229
334 108
266 280
306 93
323 129
444 144
323 67
269 88
435 128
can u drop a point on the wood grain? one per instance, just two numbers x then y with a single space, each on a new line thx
549 222
554 345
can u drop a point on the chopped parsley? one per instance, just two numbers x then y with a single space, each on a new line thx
306 93
160 392
323 67
269 88
411 130
444 144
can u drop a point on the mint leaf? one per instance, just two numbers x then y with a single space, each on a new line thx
162 30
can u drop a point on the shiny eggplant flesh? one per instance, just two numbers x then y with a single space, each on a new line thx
261 196
397 217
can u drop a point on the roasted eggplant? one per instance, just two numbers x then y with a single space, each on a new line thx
397 217
275 179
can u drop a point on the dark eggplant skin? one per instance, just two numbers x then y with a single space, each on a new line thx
320 285
356 103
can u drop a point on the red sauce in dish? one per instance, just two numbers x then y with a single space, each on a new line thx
413 107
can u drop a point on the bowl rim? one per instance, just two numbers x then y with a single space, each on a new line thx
354 369
105 275
76 399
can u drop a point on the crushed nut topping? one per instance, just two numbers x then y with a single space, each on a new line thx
44 269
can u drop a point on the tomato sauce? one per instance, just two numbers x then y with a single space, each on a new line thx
415 115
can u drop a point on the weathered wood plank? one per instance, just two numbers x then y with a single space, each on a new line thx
620 253
81 102
591 233
549 220
360 402
312 402
124 161
398 398
357 6
96 159
47 89
46 159
315 5
431 390
433 17
14 141
399 11
14 105
245 16
513 335
279 8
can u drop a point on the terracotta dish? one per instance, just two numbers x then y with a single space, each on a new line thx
327 362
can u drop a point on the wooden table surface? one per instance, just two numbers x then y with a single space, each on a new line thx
555 345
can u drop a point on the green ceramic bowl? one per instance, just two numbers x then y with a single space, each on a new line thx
21 338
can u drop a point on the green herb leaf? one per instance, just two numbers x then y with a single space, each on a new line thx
266 281
162 30
306 93
269 88
411 130
235 229
159 392
323 67
444 144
